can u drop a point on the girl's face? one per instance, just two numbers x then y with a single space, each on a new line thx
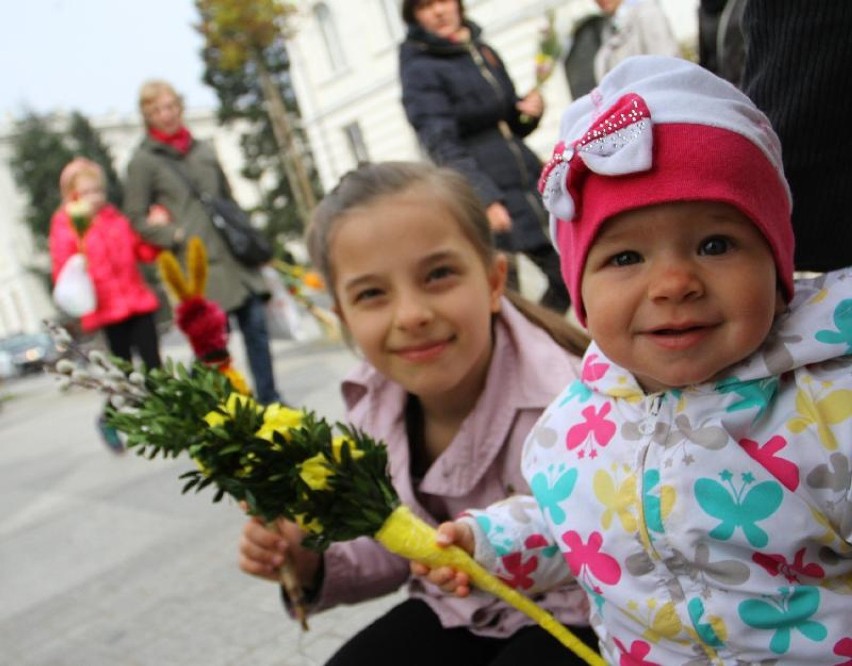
440 17
165 113
89 188
416 297
678 292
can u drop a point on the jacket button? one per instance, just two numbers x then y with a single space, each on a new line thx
646 428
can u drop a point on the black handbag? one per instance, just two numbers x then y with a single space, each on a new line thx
247 244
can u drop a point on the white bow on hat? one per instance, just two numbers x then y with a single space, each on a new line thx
620 142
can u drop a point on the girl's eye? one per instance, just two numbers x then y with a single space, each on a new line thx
440 273
626 258
715 245
366 295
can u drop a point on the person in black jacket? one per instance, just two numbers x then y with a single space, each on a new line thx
797 68
462 104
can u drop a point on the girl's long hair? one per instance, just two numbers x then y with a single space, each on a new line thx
370 181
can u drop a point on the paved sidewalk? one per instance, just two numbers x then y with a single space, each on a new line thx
104 563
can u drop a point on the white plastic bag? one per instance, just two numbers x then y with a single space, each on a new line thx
74 291
286 317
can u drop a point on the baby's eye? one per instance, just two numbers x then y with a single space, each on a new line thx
715 245
626 258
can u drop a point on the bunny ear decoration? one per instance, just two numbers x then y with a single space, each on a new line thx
172 275
196 260
194 283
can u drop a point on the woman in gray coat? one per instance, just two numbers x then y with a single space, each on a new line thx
154 178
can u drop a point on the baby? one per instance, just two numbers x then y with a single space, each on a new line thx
697 479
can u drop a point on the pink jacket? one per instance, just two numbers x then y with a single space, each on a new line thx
481 466
112 249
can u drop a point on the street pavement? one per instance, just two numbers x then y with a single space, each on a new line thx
104 563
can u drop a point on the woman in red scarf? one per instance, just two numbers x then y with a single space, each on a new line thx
158 172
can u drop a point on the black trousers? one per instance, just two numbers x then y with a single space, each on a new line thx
546 259
135 333
411 634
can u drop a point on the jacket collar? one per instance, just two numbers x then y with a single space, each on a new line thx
422 40
516 381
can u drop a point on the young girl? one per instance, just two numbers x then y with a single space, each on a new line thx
452 383
125 304
697 478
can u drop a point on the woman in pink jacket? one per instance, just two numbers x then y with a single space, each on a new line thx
125 307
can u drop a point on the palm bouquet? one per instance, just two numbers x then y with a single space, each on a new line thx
547 55
329 478
80 211
549 50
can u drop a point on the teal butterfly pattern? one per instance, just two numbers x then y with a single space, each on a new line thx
843 321
791 611
756 393
550 496
738 508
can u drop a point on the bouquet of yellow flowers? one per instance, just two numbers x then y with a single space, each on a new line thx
549 50
331 479
80 212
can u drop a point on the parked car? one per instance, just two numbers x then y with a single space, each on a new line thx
7 367
29 352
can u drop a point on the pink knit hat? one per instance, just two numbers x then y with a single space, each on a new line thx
658 130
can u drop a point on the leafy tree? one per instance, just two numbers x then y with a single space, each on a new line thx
86 141
41 147
248 66
38 154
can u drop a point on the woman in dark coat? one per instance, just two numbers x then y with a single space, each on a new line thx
463 106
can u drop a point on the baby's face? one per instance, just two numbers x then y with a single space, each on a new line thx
678 292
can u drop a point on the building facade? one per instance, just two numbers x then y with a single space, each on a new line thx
345 71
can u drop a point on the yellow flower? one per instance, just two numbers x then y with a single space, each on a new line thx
216 418
337 445
313 527
79 208
278 418
315 472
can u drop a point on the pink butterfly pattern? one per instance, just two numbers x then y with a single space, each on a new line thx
635 656
778 565
593 371
595 430
519 570
783 470
586 560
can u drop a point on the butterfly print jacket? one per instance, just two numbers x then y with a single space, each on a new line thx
708 525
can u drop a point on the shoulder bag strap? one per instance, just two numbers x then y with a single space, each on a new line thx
203 198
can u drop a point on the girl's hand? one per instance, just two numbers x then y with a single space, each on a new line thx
532 105
158 216
263 549
448 579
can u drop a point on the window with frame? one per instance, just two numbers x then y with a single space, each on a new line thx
355 140
330 37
